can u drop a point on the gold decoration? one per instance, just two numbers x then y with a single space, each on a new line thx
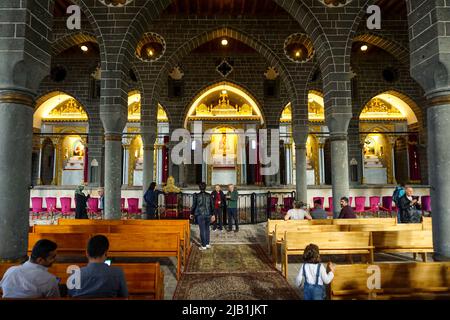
134 112
223 109
69 110
171 187
316 112
378 109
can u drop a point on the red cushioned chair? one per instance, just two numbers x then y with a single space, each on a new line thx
374 203
171 210
360 203
50 203
133 207
426 204
93 208
386 205
273 202
36 207
288 203
66 206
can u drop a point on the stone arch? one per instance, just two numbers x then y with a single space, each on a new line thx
414 107
390 46
71 40
218 84
50 95
297 9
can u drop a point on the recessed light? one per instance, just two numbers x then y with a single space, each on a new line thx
297 54
224 42
364 48
84 48
150 52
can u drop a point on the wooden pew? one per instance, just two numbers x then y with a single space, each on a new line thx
398 281
144 280
120 228
415 241
120 245
280 230
382 227
294 243
427 223
371 221
83 222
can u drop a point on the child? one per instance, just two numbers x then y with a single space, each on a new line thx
313 274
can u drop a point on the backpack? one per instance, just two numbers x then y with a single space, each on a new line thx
396 195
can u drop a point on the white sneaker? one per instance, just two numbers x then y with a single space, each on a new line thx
208 246
201 248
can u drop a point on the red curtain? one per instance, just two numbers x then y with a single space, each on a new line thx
414 160
85 166
165 157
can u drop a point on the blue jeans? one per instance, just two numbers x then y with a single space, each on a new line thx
232 215
203 223
313 292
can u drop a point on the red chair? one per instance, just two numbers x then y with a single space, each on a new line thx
36 207
360 203
288 203
386 205
122 205
374 203
273 202
133 206
93 208
50 203
322 200
171 210
66 206
350 201
330 205
426 204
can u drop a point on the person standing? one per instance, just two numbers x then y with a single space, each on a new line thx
298 212
313 275
232 204
346 211
101 202
202 209
399 192
81 203
219 201
151 200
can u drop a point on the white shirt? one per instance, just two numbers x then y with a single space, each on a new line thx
310 271
29 281
296 214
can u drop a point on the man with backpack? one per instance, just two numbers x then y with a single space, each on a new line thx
399 192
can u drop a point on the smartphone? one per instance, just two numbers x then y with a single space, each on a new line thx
108 262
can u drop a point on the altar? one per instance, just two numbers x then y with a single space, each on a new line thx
223 176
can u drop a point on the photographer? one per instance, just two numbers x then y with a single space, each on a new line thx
410 208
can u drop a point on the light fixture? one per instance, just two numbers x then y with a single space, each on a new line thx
224 42
84 48
297 54
224 91
364 48
311 100
254 144
150 52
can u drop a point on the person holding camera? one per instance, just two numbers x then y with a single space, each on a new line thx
409 207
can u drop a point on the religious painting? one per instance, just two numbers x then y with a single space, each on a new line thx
369 147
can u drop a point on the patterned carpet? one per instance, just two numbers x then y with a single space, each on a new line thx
232 272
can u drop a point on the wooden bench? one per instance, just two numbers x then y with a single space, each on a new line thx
280 230
144 280
415 241
398 281
294 243
427 223
120 228
382 227
120 245
368 221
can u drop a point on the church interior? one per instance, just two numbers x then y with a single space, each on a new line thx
349 98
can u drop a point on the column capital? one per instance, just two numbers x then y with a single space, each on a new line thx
113 137
439 100
25 98
338 137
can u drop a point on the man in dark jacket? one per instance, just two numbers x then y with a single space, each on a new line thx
203 209
409 207
346 211
151 200
219 202
81 203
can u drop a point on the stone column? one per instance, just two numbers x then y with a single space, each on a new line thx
362 143
321 141
16 133
113 173
392 140
126 159
301 184
339 170
149 152
39 180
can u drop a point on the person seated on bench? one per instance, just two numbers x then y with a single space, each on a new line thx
313 275
298 213
31 280
318 212
346 211
97 279
409 207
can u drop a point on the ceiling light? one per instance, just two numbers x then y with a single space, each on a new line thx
224 42
224 92
150 52
364 48
84 48
297 54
